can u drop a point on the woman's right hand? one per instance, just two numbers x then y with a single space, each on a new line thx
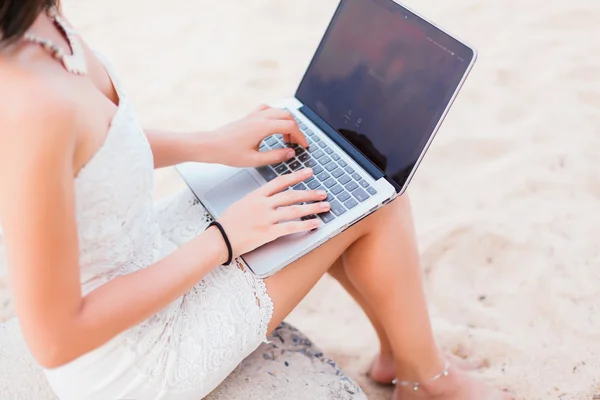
271 212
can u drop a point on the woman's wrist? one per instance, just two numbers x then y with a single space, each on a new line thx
219 251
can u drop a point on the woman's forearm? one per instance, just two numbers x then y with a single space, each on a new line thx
130 299
172 148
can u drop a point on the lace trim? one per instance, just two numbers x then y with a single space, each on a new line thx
263 300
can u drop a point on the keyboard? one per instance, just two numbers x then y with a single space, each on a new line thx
345 187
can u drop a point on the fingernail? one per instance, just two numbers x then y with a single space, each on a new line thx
321 193
308 171
325 205
290 154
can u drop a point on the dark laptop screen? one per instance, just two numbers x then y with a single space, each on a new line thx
382 77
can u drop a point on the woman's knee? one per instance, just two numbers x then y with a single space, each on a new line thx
397 210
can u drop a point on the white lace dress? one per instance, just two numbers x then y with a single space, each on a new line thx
186 350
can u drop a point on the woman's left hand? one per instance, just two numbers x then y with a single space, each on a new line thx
237 143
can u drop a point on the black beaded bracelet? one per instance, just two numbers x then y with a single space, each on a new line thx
226 239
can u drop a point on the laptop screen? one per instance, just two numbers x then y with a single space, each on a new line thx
383 77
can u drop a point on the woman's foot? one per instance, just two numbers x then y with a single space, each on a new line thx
457 385
383 369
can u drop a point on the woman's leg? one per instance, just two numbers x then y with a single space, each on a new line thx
383 369
371 255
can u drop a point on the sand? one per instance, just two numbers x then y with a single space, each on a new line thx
507 202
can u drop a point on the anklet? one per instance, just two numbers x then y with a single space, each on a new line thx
417 385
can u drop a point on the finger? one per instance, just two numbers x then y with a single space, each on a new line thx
290 197
289 228
281 183
260 108
291 213
287 127
289 137
277 113
272 157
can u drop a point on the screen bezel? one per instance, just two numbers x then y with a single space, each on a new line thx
346 145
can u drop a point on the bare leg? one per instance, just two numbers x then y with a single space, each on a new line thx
370 253
383 369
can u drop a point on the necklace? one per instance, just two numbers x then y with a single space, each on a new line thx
75 63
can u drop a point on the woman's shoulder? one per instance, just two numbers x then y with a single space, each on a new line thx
32 104
37 119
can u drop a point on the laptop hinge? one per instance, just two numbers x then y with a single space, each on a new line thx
345 145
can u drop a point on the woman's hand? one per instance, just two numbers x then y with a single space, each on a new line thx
271 212
237 143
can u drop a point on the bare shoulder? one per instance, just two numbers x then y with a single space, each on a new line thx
35 113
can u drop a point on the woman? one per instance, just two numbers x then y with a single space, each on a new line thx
119 299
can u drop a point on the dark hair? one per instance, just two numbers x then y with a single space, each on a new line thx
16 16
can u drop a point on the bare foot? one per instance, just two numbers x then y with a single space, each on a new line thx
383 369
458 385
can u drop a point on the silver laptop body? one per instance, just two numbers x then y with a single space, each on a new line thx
361 153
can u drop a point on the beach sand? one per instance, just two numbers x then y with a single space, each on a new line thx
507 202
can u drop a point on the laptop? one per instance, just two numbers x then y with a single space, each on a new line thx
375 93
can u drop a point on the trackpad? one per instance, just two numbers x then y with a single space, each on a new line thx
230 191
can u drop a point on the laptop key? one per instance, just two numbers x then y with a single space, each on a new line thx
281 168
309 132
318 153
356 176
300 186
310 163
351 186
317 170
349 169
267 173
324 160
345 179
304 157
301 125
308 217
337 189
363 183
337 173
322 144
343 196
314 184
329 183
271 141
337 208
360 195
371 190
327 217
331 166
323 176
328 150
299 150
342 163
350 204
296 165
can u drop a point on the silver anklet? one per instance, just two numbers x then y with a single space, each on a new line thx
417 385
